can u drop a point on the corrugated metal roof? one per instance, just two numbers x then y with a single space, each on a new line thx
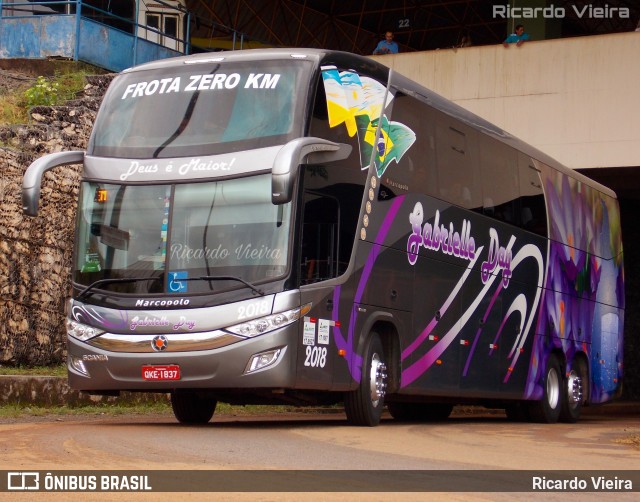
357 26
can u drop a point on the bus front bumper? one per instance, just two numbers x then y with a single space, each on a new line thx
160 363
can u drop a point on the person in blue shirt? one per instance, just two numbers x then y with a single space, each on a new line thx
518 37
386 46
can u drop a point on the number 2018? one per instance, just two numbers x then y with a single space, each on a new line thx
253 309
316 357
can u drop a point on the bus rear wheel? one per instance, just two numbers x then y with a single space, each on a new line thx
365 404
547 410
191 408
574 396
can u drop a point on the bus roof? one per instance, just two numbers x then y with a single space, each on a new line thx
406 85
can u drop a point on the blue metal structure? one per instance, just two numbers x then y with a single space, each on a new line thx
76 30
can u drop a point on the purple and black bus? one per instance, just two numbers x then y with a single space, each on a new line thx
310 227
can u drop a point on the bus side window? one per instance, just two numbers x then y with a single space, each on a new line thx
458 173
320 127
500 186
417 167
533 209
320 238
332 198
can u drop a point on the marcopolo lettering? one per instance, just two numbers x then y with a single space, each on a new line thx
175 302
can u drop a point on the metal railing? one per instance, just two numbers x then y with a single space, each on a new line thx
84 9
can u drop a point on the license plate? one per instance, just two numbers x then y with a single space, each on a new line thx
161 373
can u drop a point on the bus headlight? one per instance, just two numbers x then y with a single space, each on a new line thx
263 360
77 364
82 331
268 323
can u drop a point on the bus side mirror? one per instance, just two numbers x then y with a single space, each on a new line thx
299 151
32 179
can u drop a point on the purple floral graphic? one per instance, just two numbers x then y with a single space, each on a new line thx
584 284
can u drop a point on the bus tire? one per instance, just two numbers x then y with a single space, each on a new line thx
574 388
420 412
365 404
547 410
190 408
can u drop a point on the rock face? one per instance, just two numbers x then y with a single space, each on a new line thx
36 253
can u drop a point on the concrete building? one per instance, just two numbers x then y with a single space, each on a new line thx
576 99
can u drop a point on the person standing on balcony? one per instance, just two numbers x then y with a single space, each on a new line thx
386 46
518 37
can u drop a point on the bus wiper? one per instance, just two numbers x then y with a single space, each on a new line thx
100 282
224 278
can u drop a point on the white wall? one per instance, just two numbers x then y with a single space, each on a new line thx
576 99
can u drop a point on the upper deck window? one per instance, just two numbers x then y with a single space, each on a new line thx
201 109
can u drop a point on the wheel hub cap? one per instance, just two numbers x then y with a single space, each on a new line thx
378 379
574 388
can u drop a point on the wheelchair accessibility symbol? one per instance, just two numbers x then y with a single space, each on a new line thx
175 284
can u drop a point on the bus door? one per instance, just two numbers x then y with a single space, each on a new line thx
319 262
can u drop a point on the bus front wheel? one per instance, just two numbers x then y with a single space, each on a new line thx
364 405
190 408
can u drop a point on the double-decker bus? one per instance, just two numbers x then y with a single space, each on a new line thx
310 227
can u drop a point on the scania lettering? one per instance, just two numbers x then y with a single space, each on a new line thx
311 227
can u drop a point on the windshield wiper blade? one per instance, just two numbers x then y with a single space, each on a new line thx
100 282
224 278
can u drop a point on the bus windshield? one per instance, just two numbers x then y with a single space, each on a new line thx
201 109
166 237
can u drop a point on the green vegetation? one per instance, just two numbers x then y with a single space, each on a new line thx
34 370
17 410
42 93
48 91
12 111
